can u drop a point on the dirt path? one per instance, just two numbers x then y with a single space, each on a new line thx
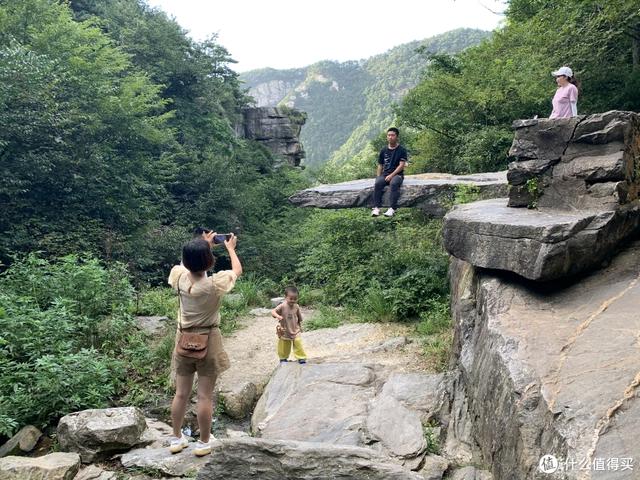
252 349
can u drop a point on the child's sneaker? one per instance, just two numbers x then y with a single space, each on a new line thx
302 360
176 444
201 449
375 212
283 360
389 213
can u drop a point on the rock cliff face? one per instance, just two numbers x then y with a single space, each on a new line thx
580 177
278 129
548 361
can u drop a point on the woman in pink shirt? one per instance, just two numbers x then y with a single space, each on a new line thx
565 101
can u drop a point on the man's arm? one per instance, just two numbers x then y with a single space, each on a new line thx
398 169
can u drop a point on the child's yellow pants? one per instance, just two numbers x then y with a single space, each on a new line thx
284 349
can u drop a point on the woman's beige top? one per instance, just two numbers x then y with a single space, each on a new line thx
200 300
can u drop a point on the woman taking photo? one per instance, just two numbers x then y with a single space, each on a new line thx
200 298
565 101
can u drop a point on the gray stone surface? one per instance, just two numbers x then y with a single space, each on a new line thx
537 244
425 393
434 467
23 441
180 464
154 325
432 192
93 472
278 129
277 459
470 473
350 404
566 158
548 369
335 399
54 466
101 431
398 428
239 399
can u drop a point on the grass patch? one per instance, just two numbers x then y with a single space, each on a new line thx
325 317
436 333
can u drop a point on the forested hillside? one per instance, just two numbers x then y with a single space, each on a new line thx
461 113
349 102
117 136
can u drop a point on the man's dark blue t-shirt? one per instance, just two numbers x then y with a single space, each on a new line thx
391 158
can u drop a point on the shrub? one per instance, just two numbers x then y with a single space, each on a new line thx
67 341
386 266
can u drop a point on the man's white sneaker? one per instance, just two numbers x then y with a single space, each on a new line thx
389 213
375 212
201 449
178 444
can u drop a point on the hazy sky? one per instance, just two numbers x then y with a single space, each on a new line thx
296 33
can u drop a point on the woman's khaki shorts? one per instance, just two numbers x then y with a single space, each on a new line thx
212 365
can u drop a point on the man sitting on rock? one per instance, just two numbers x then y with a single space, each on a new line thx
390 171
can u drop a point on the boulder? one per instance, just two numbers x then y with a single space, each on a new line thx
470 473
23 441
335 399
541 244
184 464
427 394
55 466
557 162
260 312
154 325
101 431
277 459
434 467
93 472
434 193
239 399
396 427
548 369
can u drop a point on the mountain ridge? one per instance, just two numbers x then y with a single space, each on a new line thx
347 103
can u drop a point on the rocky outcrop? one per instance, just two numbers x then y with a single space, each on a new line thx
23 441
576 163
580 177
101 431
543 244
351 404
549 369
434 193
278 459
278 129
270 93
55 466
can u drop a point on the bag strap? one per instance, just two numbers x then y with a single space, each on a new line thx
180 305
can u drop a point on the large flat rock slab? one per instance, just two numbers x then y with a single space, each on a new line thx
279 459
353 404
536 244
550 370
432 192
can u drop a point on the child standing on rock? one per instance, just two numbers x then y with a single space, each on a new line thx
289 327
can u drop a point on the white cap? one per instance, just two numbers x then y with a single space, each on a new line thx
566 71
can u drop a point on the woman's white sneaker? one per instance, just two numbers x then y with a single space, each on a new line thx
201 449
176 444
389 213
375 212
